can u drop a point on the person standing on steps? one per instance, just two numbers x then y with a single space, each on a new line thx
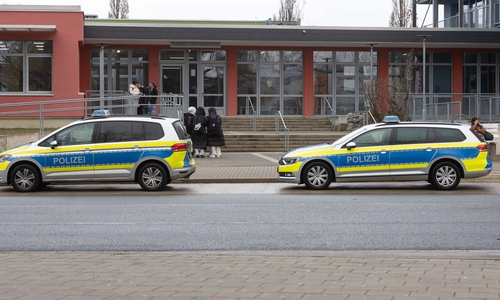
199 133
215 135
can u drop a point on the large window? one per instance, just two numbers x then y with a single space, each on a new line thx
25 67
406 73
480 73
339 80
270 81
121 67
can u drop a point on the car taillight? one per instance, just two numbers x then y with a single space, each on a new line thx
180 147
482 147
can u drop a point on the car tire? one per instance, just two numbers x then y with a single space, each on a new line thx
317 175
445 176
25 178
153 177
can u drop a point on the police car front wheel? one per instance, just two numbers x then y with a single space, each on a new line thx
153 177
445 176
317 176
25 178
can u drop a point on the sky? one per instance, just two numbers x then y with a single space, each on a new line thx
351 13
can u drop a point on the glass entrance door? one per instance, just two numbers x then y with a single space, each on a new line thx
171 80
214 87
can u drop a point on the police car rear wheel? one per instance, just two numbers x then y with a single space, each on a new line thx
317 176
153 177
445 176
25 178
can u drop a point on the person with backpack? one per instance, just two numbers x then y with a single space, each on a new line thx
215 134
199 133
188 120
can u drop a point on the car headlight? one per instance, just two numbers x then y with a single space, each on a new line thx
288 160
5 158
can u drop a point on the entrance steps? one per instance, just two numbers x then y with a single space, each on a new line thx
304 131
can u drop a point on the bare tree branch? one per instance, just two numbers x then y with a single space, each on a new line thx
401 15
290 10
118 9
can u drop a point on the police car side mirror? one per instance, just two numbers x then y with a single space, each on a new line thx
53 144
350 145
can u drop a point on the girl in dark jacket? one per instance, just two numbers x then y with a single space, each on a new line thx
214 132
199 133
151 91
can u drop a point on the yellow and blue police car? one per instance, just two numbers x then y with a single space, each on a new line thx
149 150
440 153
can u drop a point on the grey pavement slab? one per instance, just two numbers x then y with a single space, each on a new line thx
242 275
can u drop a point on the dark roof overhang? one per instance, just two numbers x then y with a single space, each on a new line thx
290 36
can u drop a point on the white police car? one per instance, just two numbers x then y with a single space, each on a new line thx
440 153
149 150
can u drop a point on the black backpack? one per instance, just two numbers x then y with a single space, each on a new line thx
213 125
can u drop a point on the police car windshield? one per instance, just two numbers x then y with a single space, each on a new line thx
349 136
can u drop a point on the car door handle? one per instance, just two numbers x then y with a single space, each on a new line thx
136 147
428 149
383 151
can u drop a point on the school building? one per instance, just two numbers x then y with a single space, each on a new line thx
56 52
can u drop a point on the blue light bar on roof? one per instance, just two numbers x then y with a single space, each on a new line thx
391 119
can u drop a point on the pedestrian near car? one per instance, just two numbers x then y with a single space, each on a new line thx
151 92
188 119
199 133
480 130
215 135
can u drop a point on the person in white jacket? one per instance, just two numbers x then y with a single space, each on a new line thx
135 91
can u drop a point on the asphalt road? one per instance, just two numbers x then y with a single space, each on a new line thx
376 220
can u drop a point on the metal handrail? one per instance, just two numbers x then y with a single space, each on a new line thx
254 114
278 116
334 113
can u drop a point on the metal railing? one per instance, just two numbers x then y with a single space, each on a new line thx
254 112
333 113
278 117
168 105
454 107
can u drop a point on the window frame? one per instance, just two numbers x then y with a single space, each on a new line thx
26 54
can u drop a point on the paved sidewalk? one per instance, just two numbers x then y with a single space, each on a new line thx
316 275
260 168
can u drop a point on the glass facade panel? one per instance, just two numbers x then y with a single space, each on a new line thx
218 55
247 56
292 56
39 46
270 56
323 105
345 80
269 105
345 105
470 57
470 79
366 57
246 105
441 79
293 79
213 86
25 66
323 56
292 106
247 79
345 56
40 74
11 47
323 79
11 74
441 57
121 67
171 55
269 79
488 80
488 58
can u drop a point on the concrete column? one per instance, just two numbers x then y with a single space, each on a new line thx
436 13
